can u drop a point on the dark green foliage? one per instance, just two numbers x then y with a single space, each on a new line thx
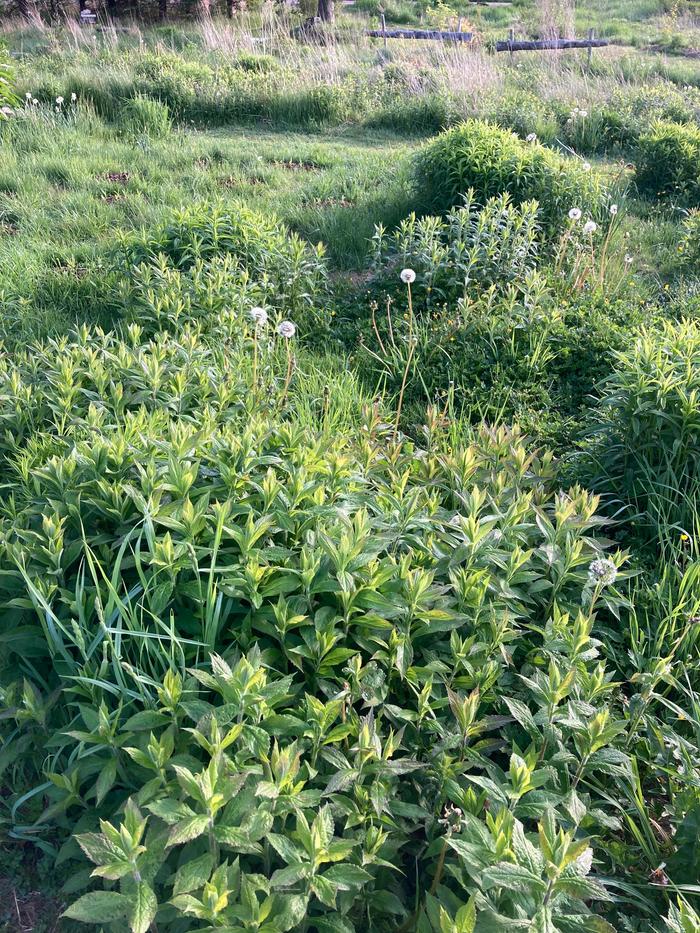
493 161
197 267
8 96
668 162
646 429
172 519
142 116
526 356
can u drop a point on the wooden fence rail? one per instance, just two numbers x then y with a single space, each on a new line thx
535 45
507 45
447 35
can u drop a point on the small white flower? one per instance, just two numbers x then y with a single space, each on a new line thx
408 276
602 572
6 111
73 97
286 329
575 213
583 113
613 209
590 226
629 259
59 101
28 95
586 166
35 101
258 316
531 137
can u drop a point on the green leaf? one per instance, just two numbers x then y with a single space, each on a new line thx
99 907
105 781
188 830
192 875
347 876
513 877
146 719
285 847
325 890
290 911
144 908
98 848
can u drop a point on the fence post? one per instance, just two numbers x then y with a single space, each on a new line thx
591 34
384 28
511 39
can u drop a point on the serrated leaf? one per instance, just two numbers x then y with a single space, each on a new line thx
99 907
347 876
192 875
188 830
144 908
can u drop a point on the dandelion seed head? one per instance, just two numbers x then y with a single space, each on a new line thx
602 572
59 101
408 276
590 226
531 137
286 329
575 213
614 209
258 316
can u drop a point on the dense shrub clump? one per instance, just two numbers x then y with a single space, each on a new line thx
195 267
472 248
493 161
668 161
280 656
647 439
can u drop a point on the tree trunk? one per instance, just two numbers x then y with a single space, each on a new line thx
112 8
229 8
326 11
162 10
23 7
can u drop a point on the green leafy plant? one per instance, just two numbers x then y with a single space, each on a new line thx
668 161
645 439
490 160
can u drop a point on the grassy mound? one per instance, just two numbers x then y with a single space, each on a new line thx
647 439
490 160
668 161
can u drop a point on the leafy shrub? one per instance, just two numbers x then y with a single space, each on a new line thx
196 267
646 439
668 161
689 247
142 116
7 93
618 124
524 112
260 64
258 676
523 354
493 161
472 247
